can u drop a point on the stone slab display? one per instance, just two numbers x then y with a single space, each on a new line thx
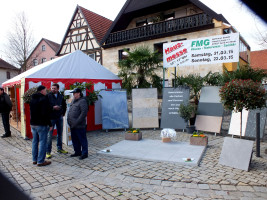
145 108
114 109
156 150
210 102
234 128
208 123
248 123
210 110
172 98
236 153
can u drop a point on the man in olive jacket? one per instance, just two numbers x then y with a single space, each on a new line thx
5 108
77 122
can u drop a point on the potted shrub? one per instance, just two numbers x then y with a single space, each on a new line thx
166 134
199 139
133 134
186 111
91 95
240 94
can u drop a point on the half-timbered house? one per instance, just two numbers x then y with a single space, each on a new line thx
85 32
153 23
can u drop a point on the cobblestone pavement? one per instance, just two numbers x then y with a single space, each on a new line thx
108 177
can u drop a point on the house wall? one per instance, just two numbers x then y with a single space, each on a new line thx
39 54
111 55
178 12
3 74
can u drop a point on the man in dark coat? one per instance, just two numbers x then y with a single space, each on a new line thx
58 104
5 108
77 122
40 122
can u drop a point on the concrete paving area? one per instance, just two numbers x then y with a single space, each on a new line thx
102 176
156 150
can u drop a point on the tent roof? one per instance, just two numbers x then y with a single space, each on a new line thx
76 65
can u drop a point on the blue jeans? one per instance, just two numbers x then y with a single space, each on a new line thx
79 141
59 123
39 139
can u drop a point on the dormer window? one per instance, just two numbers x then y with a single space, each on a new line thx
43 47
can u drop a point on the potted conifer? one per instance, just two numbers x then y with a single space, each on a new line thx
186 111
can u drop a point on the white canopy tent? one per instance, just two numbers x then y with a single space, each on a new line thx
65 70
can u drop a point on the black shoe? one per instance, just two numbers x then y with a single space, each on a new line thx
75 155
83 157
5 135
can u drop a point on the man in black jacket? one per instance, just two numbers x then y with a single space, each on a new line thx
40 123
5 108
58 104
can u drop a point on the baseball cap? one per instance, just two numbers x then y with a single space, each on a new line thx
76 90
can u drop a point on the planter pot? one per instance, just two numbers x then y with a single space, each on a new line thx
166 140
190 129
133 136
200 141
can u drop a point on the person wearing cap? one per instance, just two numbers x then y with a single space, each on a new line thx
40 110
77 121
58 104
5 108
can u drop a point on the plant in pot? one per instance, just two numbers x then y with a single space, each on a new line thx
198 139
186 111
133 134
167 133
91 95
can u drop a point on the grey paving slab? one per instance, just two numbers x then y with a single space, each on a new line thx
236 153
156 150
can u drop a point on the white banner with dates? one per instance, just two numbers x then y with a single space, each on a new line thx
201 51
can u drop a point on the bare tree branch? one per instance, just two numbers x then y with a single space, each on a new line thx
20 42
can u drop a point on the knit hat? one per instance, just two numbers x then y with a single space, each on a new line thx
40 88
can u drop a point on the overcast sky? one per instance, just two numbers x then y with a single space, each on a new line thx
49 19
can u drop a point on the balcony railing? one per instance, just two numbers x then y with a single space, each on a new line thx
159 29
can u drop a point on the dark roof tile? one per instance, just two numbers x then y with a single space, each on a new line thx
258 59
6 65
98 23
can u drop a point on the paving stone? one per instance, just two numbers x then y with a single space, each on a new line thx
103 177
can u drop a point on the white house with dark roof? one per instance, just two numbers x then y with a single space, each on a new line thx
7 71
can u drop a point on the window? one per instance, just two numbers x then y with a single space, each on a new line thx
142 22
51 58
43 47
78 24
78 38
178 40
123 54
35 62
159 48
43 60
169 16
92 55
243 50
8 75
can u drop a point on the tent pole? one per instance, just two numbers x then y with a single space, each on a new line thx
16 104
